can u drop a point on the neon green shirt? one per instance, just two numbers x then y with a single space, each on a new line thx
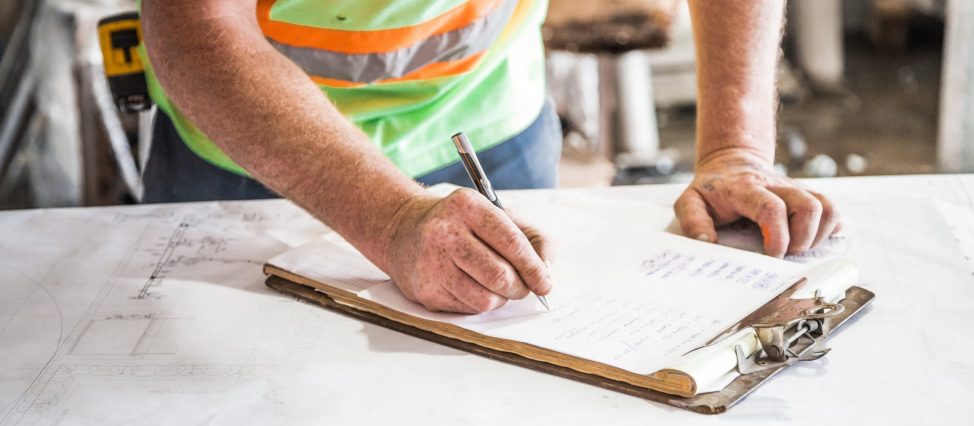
409 73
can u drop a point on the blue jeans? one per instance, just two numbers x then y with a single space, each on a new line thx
526 161
173 173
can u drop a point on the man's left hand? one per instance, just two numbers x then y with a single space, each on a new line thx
739 183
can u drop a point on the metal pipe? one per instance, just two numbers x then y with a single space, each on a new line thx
13 120
639 135
115 131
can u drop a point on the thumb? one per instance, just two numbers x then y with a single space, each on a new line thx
695 221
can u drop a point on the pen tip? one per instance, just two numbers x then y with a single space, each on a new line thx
544 301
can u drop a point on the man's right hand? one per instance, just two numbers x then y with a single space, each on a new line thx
456 254
462 254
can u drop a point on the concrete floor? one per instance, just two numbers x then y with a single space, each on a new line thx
886 113
890 114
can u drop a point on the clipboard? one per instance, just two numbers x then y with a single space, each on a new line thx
790 331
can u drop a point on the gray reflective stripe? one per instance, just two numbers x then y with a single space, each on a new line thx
371 67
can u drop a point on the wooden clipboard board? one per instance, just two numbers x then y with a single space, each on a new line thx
856 299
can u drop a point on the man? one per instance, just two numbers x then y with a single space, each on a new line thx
338 105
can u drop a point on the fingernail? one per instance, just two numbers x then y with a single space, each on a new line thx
704 237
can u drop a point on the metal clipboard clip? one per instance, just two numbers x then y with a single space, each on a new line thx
795 331
793 326
789 329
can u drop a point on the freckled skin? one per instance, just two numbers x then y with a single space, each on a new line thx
472 265
737 53
792 218
460 253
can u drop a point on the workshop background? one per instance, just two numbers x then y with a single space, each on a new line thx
868 87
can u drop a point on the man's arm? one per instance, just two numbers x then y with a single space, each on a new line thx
737 54
456 254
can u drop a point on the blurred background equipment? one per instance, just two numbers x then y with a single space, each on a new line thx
62 140
867 87
609 114
119 37
956 139
16 87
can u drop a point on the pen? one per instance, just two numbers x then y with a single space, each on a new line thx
472 164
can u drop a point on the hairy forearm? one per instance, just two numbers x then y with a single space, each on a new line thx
737 53
265 113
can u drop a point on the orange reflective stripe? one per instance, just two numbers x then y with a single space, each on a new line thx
331 82
433 70
441 69
353 42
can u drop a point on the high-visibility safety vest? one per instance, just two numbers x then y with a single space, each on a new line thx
409 73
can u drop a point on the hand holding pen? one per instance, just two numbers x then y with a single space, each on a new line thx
468 156
460 253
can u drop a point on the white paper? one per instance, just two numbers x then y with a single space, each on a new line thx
746 235
624 294
222 349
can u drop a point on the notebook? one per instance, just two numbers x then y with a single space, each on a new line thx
630 303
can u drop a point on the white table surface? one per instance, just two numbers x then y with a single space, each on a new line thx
159 315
